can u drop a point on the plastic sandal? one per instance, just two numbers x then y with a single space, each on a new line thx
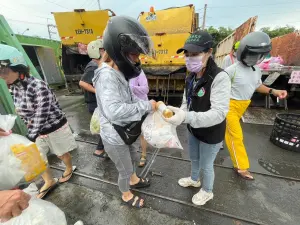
144 182
134 202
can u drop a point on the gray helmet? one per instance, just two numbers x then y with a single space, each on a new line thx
253 48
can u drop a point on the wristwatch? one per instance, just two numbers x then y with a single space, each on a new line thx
270 91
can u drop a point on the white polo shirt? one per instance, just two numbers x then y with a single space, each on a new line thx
244 81
228 61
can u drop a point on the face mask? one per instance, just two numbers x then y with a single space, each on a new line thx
194 64
251 60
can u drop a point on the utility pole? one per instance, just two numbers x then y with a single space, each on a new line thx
99 4
50 26
50 32
204 17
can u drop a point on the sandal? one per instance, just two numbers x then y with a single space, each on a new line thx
134 202
67 176
244 174
144 182
143 161
43 193
103 155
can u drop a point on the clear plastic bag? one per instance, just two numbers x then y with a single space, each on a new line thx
39 212
20 159
95 122
159 133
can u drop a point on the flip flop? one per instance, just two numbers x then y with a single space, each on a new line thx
134 202
245 174
42 194
103 155
69 175
144 182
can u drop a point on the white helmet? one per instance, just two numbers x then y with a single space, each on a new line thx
93 49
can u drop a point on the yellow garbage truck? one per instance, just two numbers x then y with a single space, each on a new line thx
76 29
169 29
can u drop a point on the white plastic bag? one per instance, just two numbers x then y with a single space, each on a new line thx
95 122
20 159
39 212
159 133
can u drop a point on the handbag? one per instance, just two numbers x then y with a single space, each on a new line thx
130 133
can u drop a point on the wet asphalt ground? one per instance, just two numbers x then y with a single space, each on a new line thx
93 196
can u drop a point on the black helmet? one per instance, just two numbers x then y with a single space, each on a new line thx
124 35
253 48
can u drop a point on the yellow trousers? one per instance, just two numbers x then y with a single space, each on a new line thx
234 134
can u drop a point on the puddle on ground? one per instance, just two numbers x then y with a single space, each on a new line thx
280 168
264 166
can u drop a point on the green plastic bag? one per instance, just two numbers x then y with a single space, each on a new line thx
95 122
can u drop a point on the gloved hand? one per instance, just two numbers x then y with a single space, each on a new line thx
178 118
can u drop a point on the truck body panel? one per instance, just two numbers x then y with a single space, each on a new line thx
288 47
80 26
8 37
166 46
225 46
168 29
169 21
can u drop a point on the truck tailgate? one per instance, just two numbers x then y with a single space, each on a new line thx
80 26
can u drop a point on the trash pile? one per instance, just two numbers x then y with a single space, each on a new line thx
271 63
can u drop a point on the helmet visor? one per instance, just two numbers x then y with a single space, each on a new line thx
132 43
252 58
264 49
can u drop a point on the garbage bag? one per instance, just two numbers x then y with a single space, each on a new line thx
20 159
271 63
95 122
39 212
159 133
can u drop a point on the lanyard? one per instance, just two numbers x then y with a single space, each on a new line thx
190 90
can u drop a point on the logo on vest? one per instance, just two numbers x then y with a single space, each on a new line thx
201 92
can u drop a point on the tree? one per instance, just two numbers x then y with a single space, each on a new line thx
219 33
278 31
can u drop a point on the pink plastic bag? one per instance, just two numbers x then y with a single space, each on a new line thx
271 63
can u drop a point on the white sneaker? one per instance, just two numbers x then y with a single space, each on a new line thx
187 182
202 197
79 222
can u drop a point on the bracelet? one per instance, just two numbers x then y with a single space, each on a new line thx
270 91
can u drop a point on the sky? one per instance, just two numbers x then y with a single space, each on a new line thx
36 14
